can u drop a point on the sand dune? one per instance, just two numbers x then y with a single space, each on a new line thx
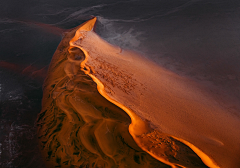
94 91
77 127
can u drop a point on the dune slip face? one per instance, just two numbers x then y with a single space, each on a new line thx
107 107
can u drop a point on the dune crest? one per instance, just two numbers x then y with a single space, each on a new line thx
171 118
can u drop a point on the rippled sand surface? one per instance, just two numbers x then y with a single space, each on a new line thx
104 107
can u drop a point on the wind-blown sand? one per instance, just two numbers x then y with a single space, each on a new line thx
92 85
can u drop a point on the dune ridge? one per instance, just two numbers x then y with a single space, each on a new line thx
85 71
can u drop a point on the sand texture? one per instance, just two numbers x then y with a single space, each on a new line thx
107 107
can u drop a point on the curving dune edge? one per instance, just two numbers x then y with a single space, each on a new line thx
80 127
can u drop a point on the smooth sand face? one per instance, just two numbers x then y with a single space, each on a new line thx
173 105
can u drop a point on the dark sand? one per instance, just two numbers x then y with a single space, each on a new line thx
94 91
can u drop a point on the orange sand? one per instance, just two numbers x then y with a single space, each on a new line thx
156 100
